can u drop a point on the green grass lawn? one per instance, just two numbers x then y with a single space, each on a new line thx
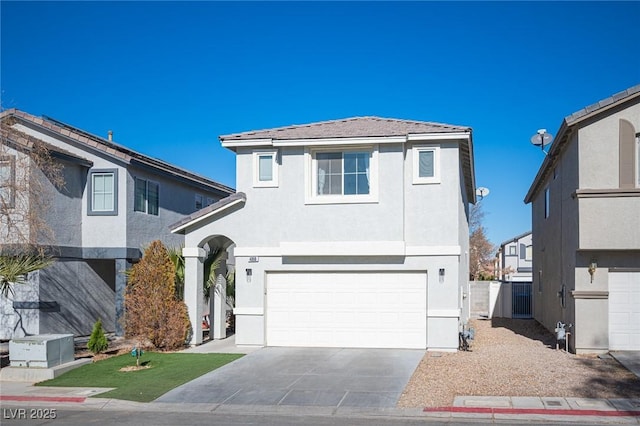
167 371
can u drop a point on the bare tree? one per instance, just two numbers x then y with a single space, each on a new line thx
27 172
481 251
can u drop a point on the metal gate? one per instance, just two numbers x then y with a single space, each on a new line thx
521 300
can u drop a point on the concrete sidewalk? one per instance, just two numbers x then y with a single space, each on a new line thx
485 409
480 408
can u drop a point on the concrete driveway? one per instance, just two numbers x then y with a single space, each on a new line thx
319 377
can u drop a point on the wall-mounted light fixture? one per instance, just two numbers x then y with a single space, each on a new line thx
441 275
592 268
249 274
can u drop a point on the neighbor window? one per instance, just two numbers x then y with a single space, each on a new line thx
7 180
426 164
199 204
512 250
103 192
528 253
265 169
147 197
546 203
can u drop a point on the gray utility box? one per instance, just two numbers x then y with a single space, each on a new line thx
43 351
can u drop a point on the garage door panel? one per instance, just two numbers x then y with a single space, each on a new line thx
386 310
624 310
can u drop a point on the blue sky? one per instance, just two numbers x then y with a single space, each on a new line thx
169 78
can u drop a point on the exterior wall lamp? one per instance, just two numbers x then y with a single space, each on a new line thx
441 275
592 268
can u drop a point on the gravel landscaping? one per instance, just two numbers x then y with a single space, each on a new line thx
511 357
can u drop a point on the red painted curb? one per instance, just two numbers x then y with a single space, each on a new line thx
43 398
558 412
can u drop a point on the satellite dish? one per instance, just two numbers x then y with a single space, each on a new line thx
482 192
541 139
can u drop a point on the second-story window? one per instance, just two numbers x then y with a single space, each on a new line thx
547 202
147 197
103 192
426 164
7 181
199 203
265 169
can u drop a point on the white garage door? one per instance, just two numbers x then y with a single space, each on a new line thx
624 311
358 310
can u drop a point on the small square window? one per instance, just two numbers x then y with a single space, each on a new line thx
426 164
103 193
265 169
512 250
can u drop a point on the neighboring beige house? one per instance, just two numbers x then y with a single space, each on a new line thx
348 233
586 227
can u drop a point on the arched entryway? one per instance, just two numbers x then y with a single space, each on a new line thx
196 273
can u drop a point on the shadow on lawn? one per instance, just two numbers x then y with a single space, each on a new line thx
529 328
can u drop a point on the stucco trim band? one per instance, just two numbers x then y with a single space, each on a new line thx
590 294
248 311
607 193
443 313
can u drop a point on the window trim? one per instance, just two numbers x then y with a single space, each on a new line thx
11 161
90 210
415 153
528 253
311 176
273 182
146 196
513 250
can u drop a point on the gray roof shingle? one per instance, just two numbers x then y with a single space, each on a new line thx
348 128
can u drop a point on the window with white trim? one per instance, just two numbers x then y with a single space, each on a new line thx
343 175
265 169
426 164
7 181
103 193
147 197
528 256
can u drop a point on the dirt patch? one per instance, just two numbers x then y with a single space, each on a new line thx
134 368
515 358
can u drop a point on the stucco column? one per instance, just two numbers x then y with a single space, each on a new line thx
121 286
193 273
219 319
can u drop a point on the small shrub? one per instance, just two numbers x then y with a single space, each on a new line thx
98 341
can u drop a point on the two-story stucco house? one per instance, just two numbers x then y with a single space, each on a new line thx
114 201
586 227
348 233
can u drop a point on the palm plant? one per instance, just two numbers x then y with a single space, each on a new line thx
15 268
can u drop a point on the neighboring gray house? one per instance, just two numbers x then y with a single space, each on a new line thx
348 233
514 273
114 202
586 227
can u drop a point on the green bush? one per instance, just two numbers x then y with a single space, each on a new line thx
98 341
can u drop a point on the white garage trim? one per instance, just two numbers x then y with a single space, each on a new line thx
624 311
346 309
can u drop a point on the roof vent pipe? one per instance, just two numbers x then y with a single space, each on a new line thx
110 133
